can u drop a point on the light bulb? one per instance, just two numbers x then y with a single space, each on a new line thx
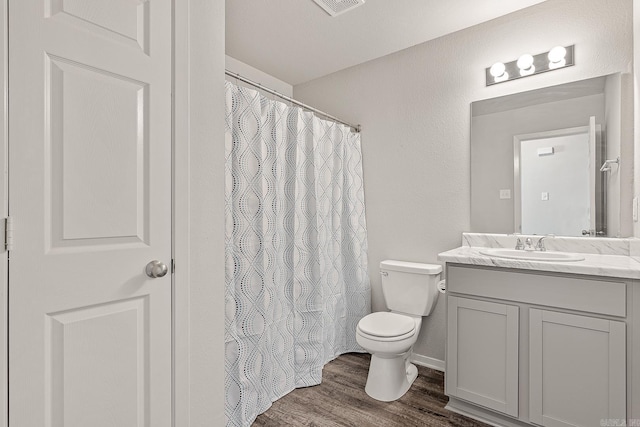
499 72
557 57
525 61
525 64
560 64
502 78
497 69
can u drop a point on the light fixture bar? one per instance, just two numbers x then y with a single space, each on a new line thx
543 62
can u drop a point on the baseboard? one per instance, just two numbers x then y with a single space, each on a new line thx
479 413
429 362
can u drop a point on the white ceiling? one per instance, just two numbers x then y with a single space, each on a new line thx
296 41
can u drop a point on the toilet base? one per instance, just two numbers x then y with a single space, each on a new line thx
390 378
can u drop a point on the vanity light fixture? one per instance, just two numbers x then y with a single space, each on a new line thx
528 65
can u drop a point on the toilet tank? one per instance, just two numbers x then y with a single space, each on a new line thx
410 287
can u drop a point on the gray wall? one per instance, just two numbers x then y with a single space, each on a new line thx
613 115
258 76
414 109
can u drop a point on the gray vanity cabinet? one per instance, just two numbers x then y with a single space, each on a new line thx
536 348
483 353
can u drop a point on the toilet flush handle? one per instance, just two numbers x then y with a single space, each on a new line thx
384 273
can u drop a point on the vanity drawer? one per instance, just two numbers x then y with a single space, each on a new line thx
541 288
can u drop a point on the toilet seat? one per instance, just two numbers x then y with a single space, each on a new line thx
385 339
387 326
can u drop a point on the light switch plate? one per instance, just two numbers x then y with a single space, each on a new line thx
544 196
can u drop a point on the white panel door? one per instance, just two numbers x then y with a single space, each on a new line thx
552 182
90 195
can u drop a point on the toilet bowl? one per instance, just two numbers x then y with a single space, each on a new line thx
410 292
390 372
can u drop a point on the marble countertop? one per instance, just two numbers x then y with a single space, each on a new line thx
606 264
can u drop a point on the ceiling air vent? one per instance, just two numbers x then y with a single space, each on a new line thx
336 7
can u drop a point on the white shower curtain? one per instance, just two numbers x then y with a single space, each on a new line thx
296 249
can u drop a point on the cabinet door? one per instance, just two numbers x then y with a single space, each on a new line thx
482 353
577 369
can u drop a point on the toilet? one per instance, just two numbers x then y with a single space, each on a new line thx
410 291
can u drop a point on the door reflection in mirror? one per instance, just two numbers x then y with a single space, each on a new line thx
555 174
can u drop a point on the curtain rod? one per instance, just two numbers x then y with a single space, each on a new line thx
356 128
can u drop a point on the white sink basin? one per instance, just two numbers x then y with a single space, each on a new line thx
531 255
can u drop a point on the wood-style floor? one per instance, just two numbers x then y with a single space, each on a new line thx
341 401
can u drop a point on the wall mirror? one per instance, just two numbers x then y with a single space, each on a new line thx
538 160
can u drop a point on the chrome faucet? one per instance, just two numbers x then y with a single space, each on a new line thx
519 245
540 245
527 243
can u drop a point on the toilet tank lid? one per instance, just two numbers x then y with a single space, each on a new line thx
410 267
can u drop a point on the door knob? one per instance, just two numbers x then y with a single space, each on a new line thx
156 269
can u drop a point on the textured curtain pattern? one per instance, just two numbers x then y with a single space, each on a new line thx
296 249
